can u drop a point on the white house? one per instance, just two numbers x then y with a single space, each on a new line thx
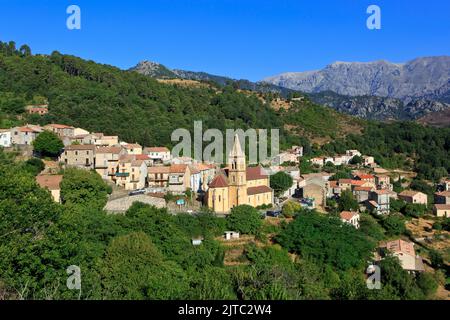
5 138
351 218
158 154
231 235
196 178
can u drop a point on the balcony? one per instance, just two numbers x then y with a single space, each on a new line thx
122 174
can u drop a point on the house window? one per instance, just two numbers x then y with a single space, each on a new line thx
76 153
220 198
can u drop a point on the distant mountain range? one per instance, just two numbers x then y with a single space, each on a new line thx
375 90
422 77
159 71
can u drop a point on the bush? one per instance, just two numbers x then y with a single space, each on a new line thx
327 241
427 283
436 259
280 182
48 144
394 225
34 166
290 208
347 202
245 219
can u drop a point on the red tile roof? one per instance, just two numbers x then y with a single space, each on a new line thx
156 149
363 176
178 168
333 184
408 193
132 146
363 188
50 182
347 215
358 182
383 191
258 190
59 126
159 169
142 157
115 150
442 206
26 129
401 246
80 147
255 173
219 182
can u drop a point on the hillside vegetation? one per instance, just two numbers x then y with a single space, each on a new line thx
136 107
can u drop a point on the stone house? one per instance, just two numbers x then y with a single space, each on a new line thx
158 176
412 196
179 178
442 210
107 161
81 156
25 135
442 197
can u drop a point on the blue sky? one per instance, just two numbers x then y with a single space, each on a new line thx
248 39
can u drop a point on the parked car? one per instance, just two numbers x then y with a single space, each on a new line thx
136 192
275 213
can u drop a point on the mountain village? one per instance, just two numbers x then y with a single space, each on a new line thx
151 175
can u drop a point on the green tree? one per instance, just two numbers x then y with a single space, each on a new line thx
82 187
245 219
326 240
25 50
280 182
414 210
427 283
34 166
133 268
48 144
356 160
347 202
436 259
290 208
394 225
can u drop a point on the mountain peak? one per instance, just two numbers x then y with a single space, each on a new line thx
416 78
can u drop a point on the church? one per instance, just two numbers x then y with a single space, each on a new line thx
237 185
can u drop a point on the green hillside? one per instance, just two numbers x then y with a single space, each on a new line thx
135 107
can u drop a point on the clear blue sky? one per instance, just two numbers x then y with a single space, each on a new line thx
248 39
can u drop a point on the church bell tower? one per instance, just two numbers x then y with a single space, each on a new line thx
237 174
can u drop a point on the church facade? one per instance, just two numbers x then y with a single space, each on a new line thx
237 185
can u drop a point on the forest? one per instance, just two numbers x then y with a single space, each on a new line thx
147 253
404 145
102 98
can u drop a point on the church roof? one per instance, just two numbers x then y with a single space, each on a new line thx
219 182
258 190
236 151
255 173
